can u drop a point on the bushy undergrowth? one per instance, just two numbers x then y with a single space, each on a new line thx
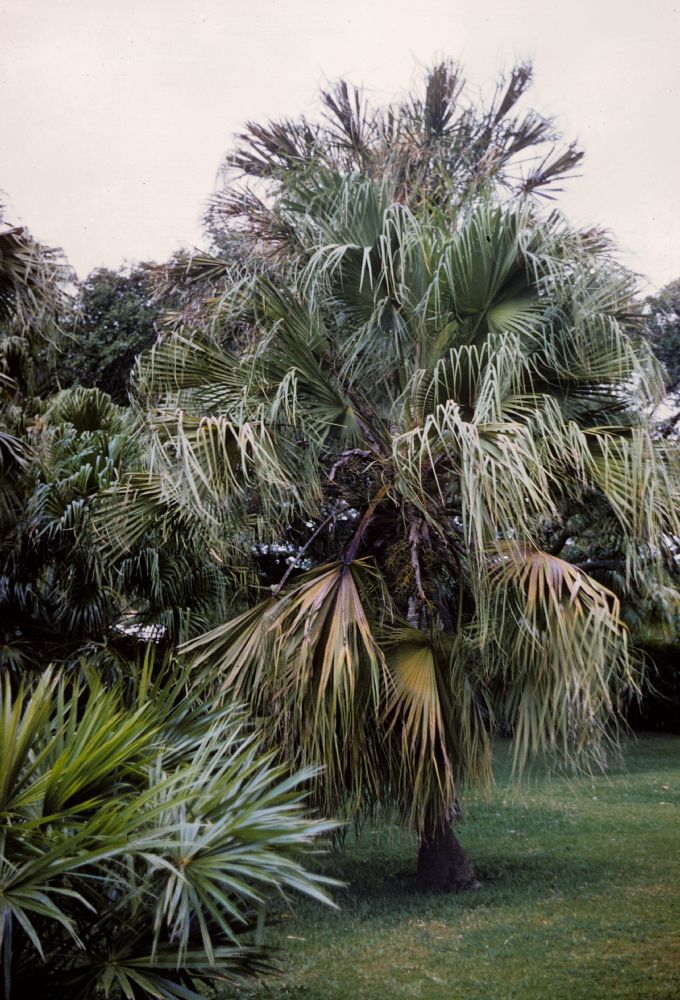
141 830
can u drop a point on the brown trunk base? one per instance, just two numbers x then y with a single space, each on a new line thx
443 865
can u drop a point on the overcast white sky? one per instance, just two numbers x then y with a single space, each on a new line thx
115 114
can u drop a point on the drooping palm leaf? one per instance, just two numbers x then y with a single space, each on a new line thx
566 661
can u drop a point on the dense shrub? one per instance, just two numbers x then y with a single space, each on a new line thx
141 832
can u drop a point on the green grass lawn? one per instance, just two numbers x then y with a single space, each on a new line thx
580 898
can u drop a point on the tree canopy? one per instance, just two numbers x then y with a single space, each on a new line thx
662 330
114 318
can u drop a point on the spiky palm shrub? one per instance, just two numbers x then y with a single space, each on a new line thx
388 459
141 832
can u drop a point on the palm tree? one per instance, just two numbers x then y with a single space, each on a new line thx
420 388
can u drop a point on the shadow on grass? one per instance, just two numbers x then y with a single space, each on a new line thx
380 884
540 872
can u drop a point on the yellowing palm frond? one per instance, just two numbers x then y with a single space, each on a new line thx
437 733
311 657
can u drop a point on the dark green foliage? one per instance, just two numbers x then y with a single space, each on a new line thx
659 707
56 593
115 317
60 591
662 330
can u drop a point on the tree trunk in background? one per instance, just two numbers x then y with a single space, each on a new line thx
443 865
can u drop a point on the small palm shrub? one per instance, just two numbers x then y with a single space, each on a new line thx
142 829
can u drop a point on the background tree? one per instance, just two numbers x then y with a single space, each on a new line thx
62 596
426 379
662 330
116 315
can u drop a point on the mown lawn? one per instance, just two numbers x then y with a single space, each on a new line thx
580 898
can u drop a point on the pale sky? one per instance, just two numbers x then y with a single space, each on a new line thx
116 114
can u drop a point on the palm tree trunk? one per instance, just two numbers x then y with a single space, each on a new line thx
443 865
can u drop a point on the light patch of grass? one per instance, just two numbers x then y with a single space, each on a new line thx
580 898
